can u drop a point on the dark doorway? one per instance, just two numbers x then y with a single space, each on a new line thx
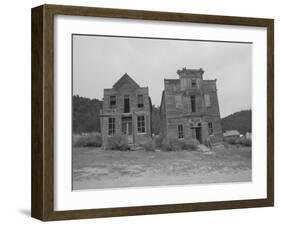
127 128
198 134
126 104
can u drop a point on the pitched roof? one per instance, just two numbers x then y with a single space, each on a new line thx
125 79
231 133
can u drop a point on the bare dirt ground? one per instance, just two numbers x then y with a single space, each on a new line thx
94 168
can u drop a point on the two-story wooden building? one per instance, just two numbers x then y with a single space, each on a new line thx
126 111
190 109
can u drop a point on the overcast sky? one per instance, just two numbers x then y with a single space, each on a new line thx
98 62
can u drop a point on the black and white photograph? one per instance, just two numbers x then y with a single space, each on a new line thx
152 112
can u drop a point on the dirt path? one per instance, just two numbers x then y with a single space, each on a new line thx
96 169
164 180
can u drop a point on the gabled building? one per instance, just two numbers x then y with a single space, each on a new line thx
231 134
126 111
190 108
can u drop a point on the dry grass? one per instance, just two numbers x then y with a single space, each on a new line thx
87 140
96 168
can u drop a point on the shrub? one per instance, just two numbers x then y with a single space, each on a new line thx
148 144
245 142
190 144
118 143
165 145
239 141
178 145
88 140
158 141
226 144
232 141
175 145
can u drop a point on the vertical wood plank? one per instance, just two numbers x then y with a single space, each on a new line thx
37 113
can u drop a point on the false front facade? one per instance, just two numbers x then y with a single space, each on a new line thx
126 111
190 109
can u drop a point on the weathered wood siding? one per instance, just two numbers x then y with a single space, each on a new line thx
126 89
176 106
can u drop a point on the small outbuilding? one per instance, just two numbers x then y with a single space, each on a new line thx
231 134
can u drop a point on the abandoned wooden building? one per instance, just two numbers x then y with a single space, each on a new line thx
190 109
126 111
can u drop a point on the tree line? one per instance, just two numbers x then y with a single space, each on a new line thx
85 117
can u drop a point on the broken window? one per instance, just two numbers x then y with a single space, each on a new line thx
193 103
140 101
178 100
193 83
126 104
210 126
141 124
111 126
112 101
207 100
180 131
183 83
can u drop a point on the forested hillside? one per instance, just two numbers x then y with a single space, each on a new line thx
86 117
241 121
85 114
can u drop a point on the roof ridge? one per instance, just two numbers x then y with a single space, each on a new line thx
125 77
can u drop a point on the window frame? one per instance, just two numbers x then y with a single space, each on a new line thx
207 96
192 83
141 124
127 108
111 126
210 128
179 98
193 109
180 132
140 104
184 83
110 101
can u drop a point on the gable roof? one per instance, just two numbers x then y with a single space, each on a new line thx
125 79
231 133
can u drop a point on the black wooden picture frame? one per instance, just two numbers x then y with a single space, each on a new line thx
43 111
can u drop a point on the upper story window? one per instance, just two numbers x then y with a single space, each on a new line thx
207 100
178 100
183 83
193 83
140 101
193 103
126 104
112 101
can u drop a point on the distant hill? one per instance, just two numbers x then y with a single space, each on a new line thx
241 121
86 115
